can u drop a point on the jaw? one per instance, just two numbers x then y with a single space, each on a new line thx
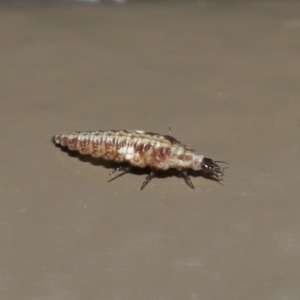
210 167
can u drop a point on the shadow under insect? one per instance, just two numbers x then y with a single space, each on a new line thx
124 169
119 170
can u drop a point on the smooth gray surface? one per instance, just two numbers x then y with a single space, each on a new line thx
225 76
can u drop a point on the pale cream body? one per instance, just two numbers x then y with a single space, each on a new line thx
138 148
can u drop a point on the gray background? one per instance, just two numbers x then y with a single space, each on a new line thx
225 75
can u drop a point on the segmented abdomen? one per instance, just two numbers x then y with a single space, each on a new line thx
139 148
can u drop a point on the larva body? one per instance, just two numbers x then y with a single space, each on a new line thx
140 149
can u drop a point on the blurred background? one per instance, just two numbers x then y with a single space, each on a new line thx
225 76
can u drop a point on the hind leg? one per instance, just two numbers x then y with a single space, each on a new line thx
125 170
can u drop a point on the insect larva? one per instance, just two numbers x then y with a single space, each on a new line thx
140 149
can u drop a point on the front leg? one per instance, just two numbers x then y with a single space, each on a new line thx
187 179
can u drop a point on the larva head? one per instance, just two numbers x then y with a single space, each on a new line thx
212 168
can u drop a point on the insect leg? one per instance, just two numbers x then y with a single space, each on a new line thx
147 179
170 129
187 179
126 169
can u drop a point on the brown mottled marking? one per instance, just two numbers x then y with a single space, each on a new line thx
140 149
